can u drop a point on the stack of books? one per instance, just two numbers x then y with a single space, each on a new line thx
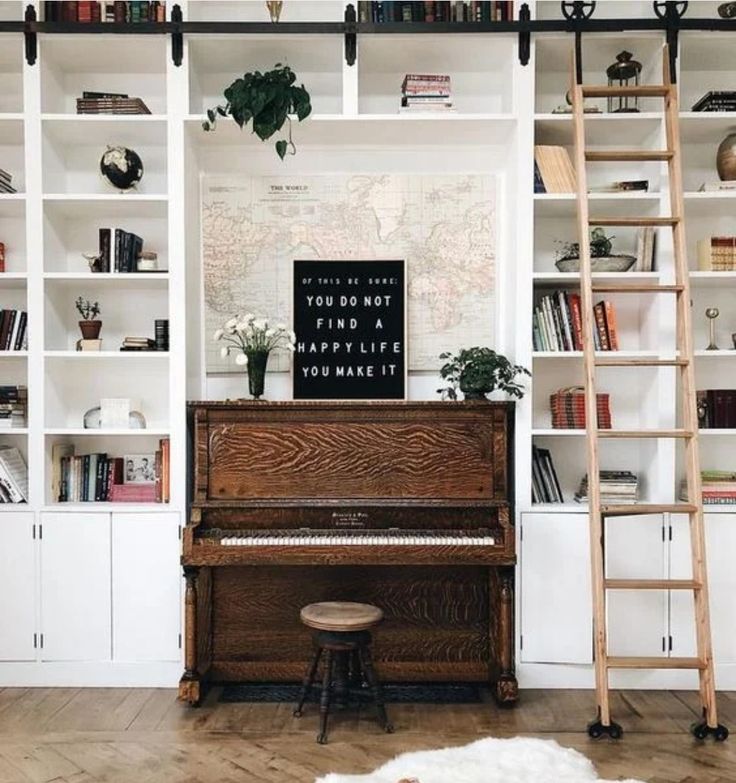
568 409
118 250
557 324
138 344
616 486
422 92
716 409
553 170
13 476
717 254
97 477
110 103
545 486
719 487
13 406
447 11
6 182
87 11
13 335
716 100
161 333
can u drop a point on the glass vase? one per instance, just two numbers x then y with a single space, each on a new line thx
257 361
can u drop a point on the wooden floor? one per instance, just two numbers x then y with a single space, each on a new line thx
145 736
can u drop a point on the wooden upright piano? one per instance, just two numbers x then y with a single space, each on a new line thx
406 505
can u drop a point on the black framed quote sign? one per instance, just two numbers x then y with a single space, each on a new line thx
350 324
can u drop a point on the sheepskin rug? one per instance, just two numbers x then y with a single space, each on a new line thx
517 760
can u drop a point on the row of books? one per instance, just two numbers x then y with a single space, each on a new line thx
646 241
97 477
716 408
426 92
553 170
13 406
719 487
717 254
88 11
439 11
119 250
110 103
557 324
567 407
13 476
616 486
545 485
13 331
6 182
716 100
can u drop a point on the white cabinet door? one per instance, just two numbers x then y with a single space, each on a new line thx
637 619
556 622
720 539
75 586
146 606
17 587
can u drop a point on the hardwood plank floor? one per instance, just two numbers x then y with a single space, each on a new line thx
105 735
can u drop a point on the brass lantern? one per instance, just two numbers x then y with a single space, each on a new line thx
625 72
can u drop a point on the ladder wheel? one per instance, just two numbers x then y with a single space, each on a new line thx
720 733
596 730
699 730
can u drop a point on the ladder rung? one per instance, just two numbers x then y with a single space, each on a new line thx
636 155
634 221
636 288
624 510
641 362
645 434
651 584
642 91
655 663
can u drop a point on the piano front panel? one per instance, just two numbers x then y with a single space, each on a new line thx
452 458
437 619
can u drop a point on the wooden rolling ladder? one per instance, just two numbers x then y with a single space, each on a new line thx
703 663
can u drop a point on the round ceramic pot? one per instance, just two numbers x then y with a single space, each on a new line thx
726 158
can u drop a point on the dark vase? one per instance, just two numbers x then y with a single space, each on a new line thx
257 361
90 329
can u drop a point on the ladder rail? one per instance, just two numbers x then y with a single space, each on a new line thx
689 406
600 642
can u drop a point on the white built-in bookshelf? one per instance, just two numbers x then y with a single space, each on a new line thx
503 109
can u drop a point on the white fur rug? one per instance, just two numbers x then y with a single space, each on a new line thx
517 760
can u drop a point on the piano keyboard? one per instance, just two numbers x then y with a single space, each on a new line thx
363 538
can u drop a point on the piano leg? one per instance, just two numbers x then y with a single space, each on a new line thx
507 687
191 687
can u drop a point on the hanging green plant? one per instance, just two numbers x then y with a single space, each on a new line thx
267 100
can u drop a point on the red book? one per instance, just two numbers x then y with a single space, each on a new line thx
577 321
611 325
600 321
2 257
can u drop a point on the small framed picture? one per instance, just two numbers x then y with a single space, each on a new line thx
139 469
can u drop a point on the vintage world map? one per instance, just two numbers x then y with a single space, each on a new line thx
444 226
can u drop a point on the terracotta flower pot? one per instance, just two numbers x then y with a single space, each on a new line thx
90 329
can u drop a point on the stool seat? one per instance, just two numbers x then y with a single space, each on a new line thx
341 616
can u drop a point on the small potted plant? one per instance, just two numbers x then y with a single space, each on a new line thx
479 371
268 100
602 257
251 339
89 324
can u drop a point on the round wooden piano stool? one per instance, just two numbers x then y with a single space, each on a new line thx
342 635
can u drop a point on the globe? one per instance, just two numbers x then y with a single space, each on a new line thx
121 167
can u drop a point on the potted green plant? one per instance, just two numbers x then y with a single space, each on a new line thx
267 100
251 340
602 257
479 371
89 324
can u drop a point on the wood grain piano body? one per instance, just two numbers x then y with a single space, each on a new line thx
435 466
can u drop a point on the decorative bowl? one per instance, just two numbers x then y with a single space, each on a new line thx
619 263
